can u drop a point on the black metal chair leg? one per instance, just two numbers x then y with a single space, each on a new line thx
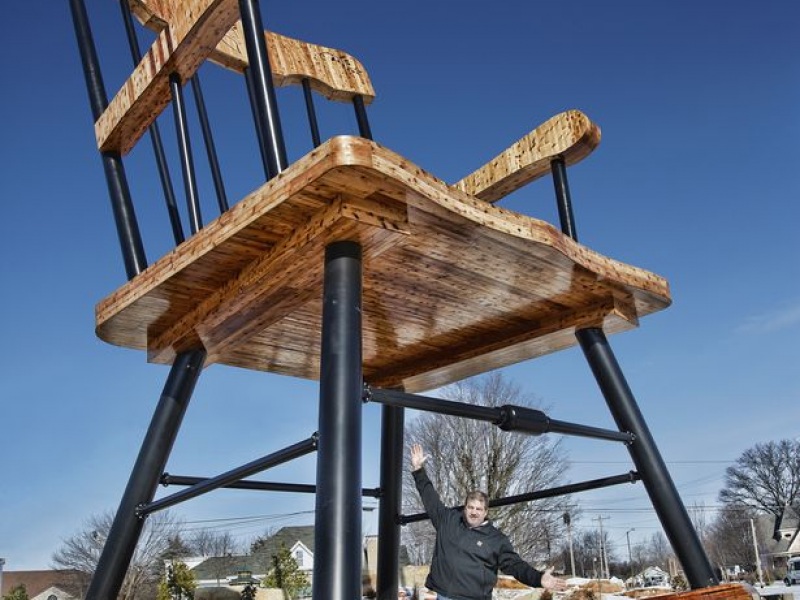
391 497
337 535
127 526
663 493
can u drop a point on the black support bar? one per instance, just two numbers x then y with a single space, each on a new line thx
208 139
337 536
263 486
206 485
185 147
311 112
262 92
130 240
563 490
389 506
156 447
654 474
563 200
364 129
155 136
507 417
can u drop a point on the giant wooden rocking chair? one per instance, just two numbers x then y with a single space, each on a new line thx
352 265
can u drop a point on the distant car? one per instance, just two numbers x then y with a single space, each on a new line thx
792 571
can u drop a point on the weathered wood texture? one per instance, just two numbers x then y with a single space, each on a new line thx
192 31
570 135
333 73
453 286
727 591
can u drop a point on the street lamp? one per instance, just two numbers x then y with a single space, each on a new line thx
630 560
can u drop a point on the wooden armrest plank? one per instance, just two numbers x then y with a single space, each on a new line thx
196 28
570 135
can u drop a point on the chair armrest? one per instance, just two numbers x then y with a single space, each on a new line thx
570 135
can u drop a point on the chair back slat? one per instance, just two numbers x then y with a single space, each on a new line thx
155 137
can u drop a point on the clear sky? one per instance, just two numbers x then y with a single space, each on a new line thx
696 179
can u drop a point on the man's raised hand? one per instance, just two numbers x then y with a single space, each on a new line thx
418 457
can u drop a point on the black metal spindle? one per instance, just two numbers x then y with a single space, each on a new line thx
507 417
390 502
562 490
563 199
654 474
337 536
259 126
249 484
361 117
185 147
312 114
130 240
208 138
234 475
155 136
263 90
156 447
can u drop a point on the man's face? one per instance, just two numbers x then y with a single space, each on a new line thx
474 512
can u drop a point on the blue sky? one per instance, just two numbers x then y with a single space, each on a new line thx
696 179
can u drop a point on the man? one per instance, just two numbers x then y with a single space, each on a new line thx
469 549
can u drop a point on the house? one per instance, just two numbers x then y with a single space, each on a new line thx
785 541
231 571
236 571
42 585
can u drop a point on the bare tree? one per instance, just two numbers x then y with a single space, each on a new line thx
220 545
730 536
657 551
467 454
766 477
81 551
206 542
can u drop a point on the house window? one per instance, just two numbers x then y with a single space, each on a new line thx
52 597
298 557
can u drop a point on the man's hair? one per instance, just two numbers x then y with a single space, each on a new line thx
478 495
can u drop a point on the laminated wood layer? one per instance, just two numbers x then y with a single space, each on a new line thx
453 286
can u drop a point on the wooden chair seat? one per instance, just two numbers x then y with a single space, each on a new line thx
453 286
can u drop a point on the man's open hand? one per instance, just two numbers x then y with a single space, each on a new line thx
551 582
418 457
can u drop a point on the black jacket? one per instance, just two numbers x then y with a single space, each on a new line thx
465 560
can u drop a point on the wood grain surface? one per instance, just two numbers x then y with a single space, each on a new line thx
453 286
192 31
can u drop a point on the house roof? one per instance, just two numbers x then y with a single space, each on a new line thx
261 560
36 582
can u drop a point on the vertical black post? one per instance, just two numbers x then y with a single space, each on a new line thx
263 90
208 138
563 200
185 147
361 117
155 135
663 494
337 534
127 527
390 502
312 114
130 240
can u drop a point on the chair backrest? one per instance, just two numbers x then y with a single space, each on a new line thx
334 74
188 33
183 42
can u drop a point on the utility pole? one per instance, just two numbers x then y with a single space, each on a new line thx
599 519
568 522
755 548
630 559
